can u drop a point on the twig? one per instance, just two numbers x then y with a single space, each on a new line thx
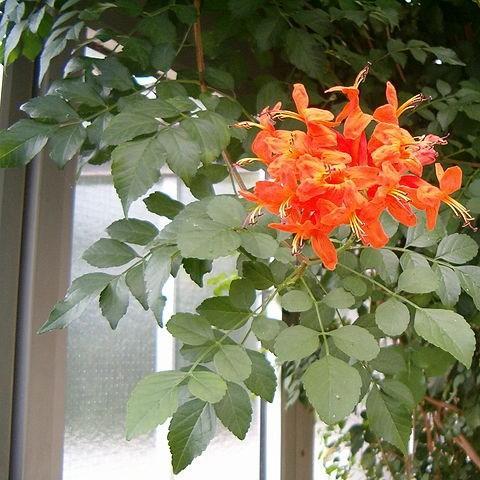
233 172
441 404
197 33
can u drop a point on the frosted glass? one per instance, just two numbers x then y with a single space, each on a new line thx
103 366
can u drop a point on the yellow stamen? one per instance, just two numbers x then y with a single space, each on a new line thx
283 114
357 226
297 243
460 211
248 125
399 195
247 161
362 75
412 103
256 212
284 206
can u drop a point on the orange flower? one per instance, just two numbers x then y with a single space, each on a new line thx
322 179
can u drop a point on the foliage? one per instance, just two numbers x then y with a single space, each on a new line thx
385 325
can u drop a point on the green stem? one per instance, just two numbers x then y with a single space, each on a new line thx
317 310
381 286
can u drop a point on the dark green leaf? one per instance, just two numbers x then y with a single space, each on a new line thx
221 313
66 143
242 293
163 205
392 317
197 269
296 301
418 280
50 107
355 341
136 283
262 381
107 252
114 301
190 329
295 343
457 248
132 230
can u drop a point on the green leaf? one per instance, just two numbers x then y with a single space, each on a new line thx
161 204
157 271
356 286
457 248
242 293
79 295
295 343
296 301
190 329
219 78
446 55
183 153
127 125
262 381
135 281
235 410
114 301
447 330
433 360
206 239
132 230
414 378
227 211
356 342
412 259
207 386
448 289
399 391
210 131
197 269
420 236
114 74
443 87
418 280
66 143
50 107
304 53
339 298
267 329
135 168
191 429
152 401
77 91
220 312
107 252
332 387
389 418
233 363
22 141
389 361
469 276
259 273
392 317
385 262
260 245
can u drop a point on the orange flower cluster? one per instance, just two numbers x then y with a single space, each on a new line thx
323 176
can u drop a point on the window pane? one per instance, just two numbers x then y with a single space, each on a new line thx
104 365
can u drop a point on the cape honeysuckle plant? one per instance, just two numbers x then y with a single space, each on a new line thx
351 230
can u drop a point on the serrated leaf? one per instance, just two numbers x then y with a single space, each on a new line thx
433 360
50 107
197 268
127 125
296 301
77 91
207 386
161 204
157 271
333 388
79 295
66 143
258 244
233 363
190 329
227 211
295 343
417 280
191 429
22 141
384 261
210 131
355 341
220 312
392 317
114 301
107 252
469 276
262 381
135 281
339 298
389 361
242 293
457 248
132 230
420 236
413 259
235 410
135 168
448 289
399 391
259 273
267 329
303 52
389 419
183 154
447 330
152 401
206 239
